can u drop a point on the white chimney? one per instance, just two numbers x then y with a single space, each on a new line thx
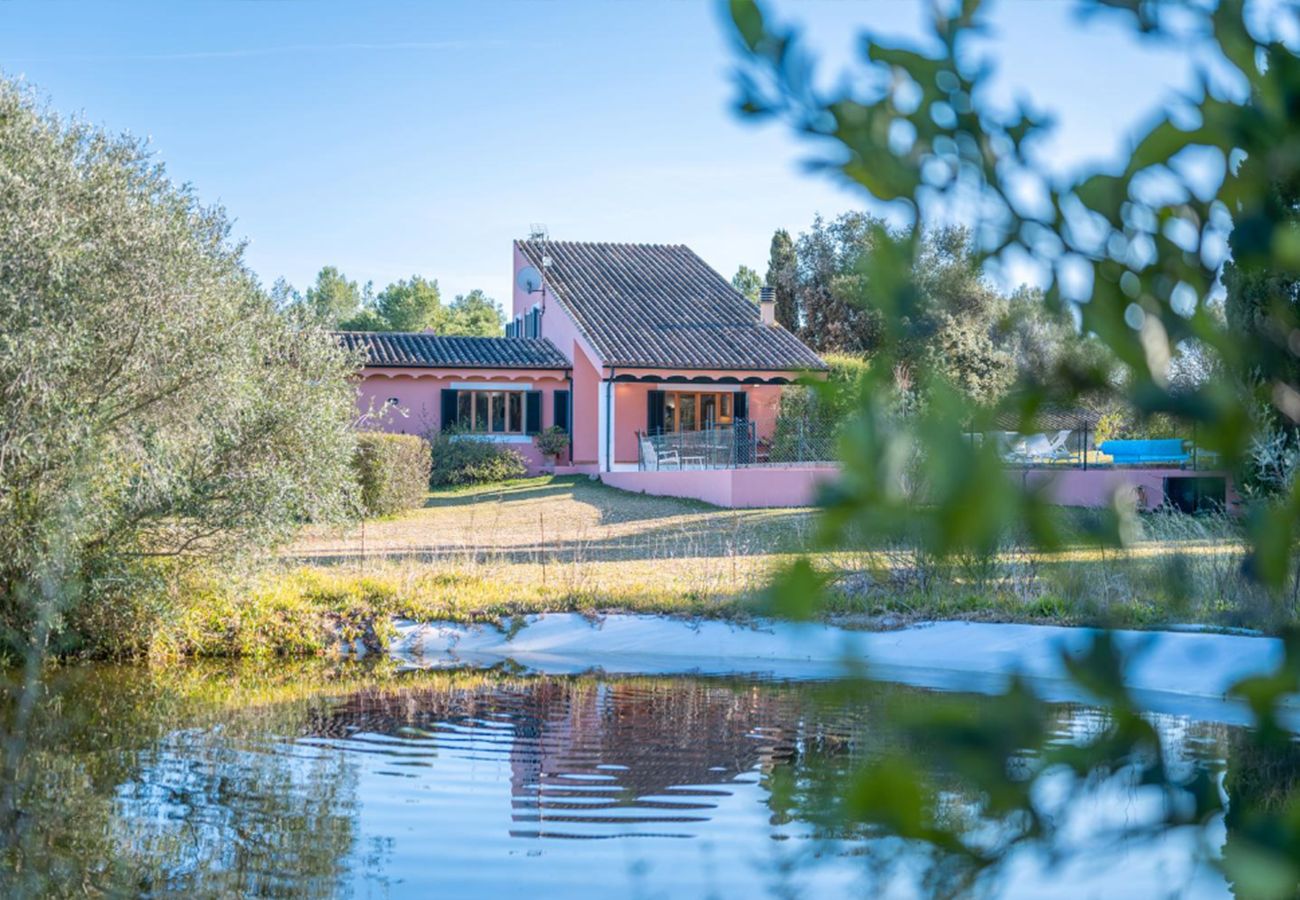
767 305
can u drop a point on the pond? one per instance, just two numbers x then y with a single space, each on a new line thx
343 779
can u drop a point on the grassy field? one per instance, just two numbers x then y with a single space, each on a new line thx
564 543
551 544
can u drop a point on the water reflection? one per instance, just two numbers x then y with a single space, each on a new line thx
337 781
589 759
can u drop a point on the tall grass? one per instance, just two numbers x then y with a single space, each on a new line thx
492 562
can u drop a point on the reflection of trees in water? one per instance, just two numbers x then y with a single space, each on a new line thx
1263 785
826 789
125 789
132 785
270 820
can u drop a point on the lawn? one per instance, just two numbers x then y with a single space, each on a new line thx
548 544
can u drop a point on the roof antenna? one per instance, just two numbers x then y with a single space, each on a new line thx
539 233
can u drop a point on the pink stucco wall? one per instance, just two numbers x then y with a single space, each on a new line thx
586 401
561 330
733 488
798 485
418 393
1094 488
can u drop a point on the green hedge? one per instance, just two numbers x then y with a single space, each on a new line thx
393 471
459 458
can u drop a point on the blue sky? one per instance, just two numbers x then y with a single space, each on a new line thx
393 138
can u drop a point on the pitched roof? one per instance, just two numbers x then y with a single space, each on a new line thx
661 306
423 350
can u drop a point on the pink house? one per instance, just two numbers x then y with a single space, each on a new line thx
651 362
615 343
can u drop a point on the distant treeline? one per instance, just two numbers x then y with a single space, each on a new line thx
413 304
981 339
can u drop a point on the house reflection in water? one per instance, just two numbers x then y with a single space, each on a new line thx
596 759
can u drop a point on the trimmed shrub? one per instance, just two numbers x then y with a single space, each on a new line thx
392 470
460 458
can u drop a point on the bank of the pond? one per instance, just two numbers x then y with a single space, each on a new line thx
313 611
1185 672
556 545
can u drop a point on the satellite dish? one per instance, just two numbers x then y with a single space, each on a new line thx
529 280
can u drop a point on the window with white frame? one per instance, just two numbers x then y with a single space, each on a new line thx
490 411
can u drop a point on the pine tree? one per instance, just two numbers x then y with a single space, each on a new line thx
782 274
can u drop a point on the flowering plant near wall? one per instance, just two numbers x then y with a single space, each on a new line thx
552 443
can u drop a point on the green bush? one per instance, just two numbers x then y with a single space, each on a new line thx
1122 424
393 471
846 369
134 427
460 458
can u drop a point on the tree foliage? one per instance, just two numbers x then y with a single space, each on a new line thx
960 328
782 276
831 286
747 282
152 400
1134 252
333 298
413 304
474 314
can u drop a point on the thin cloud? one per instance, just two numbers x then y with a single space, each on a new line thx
284 50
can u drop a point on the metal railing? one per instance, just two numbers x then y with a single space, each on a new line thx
733 446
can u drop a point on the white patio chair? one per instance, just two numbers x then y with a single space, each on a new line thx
1041 446
656 460
1016 448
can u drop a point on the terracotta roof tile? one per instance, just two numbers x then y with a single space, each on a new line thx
423 350
661 306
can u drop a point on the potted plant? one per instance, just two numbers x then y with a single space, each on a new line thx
553 443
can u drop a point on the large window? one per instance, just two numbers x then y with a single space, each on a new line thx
696 410
490 412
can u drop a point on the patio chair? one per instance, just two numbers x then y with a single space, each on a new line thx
1052 448
669 459
1041 447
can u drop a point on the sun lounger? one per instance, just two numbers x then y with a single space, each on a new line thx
1165 451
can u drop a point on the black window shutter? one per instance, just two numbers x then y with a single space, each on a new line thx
448 418
740 405
532 412
561 409
654 420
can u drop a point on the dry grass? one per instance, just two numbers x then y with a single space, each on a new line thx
555 544
558 519
552 543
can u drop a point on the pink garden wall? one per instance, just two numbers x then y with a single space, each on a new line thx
798 485
1095 488
746 488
